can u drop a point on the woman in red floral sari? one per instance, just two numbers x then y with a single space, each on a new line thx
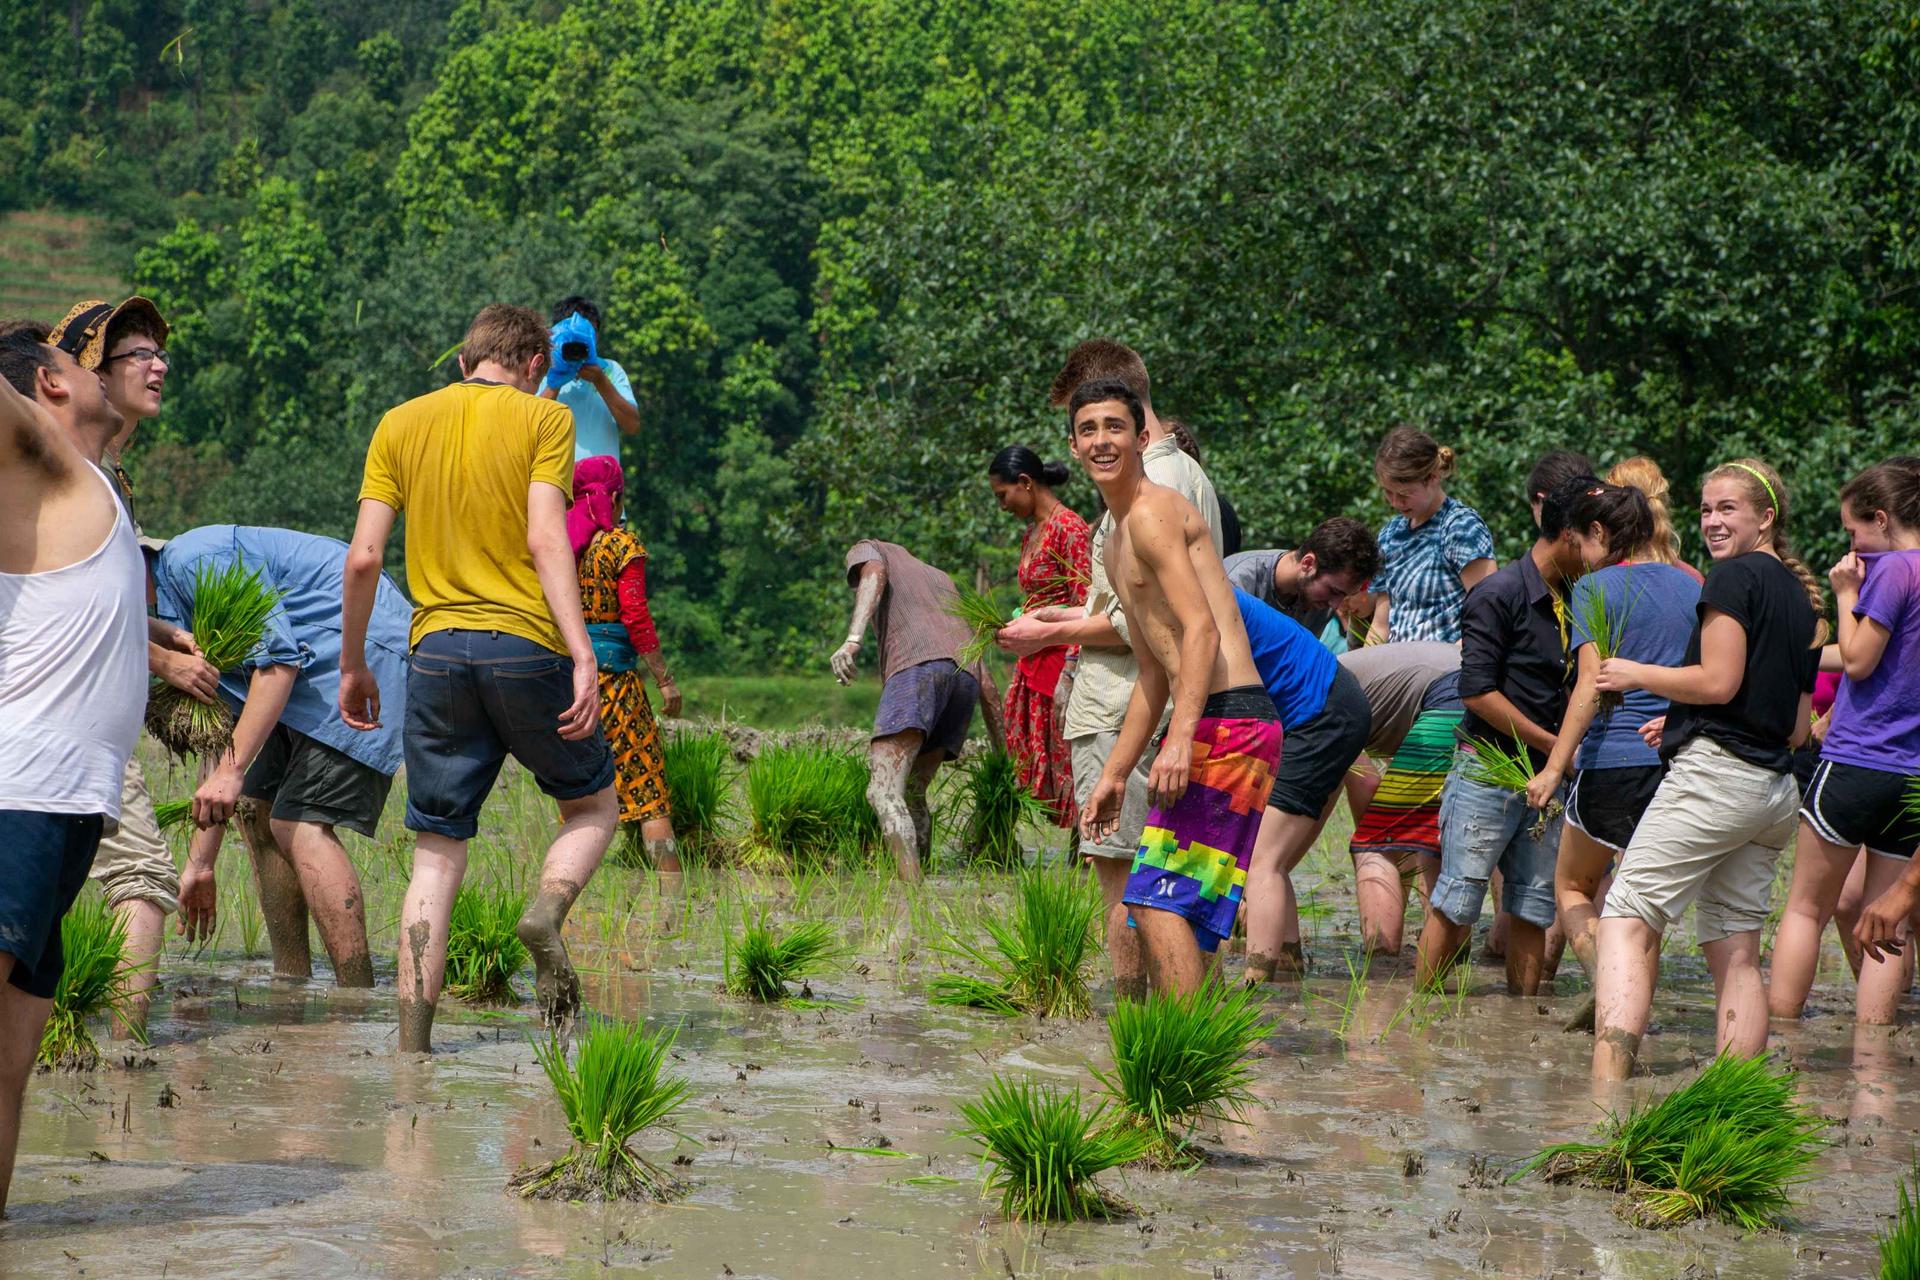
1055 565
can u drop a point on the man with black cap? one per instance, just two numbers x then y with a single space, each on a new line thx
126 345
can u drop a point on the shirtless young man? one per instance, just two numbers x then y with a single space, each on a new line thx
1209 781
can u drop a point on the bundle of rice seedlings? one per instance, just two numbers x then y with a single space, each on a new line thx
171 813
1730 1144
760 963
1900 1243
92 937
231 606
483 950
991 806
1041 1152
983 617
612 1093
699 773
1495 766
1603 630
1910 799
1038 959
1178 1060
810 801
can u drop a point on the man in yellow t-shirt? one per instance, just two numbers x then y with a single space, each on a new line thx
501 664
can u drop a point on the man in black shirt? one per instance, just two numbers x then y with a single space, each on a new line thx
1514 681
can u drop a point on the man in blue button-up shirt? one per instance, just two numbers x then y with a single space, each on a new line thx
292 754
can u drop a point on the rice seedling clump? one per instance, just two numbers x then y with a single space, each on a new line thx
1178 1060
1602 629
1900 1243
1492 765
484 953
991 807
1037 960
699 774
92 938
172 813
231 606
809 802
983 618
1730 1144
611 1093
1041 1151
760 963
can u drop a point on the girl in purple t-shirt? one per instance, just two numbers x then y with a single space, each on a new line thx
1870 758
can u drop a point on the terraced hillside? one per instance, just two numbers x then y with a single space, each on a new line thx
49 260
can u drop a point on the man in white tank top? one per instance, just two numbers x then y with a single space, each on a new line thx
73 676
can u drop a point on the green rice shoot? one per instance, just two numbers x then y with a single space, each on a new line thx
611 1093
92 938
1041 1151
1602 629
1730 1144
1179 1060
760 963
1037 960
172 813
1900 1243
699 772
991 807
808 803
231 606
1910 799
983 618
484 951
1492 765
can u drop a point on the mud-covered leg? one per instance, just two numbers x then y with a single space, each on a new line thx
586 829
919 779
281 904
889 761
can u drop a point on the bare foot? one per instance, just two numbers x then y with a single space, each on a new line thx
555 985
1582 1019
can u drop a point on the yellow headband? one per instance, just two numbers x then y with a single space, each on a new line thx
1761 476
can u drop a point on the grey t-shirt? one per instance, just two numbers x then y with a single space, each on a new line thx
1252 572
912 623
1395 678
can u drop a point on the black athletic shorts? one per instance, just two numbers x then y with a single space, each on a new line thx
304 780
1606 804
1315 756
1849 805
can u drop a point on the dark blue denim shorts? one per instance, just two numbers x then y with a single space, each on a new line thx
44 860
473 699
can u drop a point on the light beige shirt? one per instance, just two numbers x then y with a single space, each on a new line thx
1106 677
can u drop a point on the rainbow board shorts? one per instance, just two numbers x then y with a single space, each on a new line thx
1193 855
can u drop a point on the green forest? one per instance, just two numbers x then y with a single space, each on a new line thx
842 245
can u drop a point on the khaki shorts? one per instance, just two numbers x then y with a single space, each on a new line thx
134 862
1713 833
1089 759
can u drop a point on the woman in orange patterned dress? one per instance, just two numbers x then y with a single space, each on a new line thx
613 598
1055 566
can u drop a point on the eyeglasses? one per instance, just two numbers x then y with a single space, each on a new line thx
145 355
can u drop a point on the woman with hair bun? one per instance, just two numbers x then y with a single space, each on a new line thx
1056 563
1434 549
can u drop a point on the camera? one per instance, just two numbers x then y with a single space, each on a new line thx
573 352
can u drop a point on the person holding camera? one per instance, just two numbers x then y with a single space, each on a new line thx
594 386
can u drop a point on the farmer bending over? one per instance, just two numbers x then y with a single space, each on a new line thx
291 751
926 698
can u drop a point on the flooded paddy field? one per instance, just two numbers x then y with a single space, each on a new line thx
271 1130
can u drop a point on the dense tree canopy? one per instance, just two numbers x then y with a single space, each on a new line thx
841 245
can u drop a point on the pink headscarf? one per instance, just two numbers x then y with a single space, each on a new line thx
597 485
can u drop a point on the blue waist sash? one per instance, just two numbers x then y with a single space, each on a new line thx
611 648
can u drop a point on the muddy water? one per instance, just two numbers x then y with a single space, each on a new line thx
298 1143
